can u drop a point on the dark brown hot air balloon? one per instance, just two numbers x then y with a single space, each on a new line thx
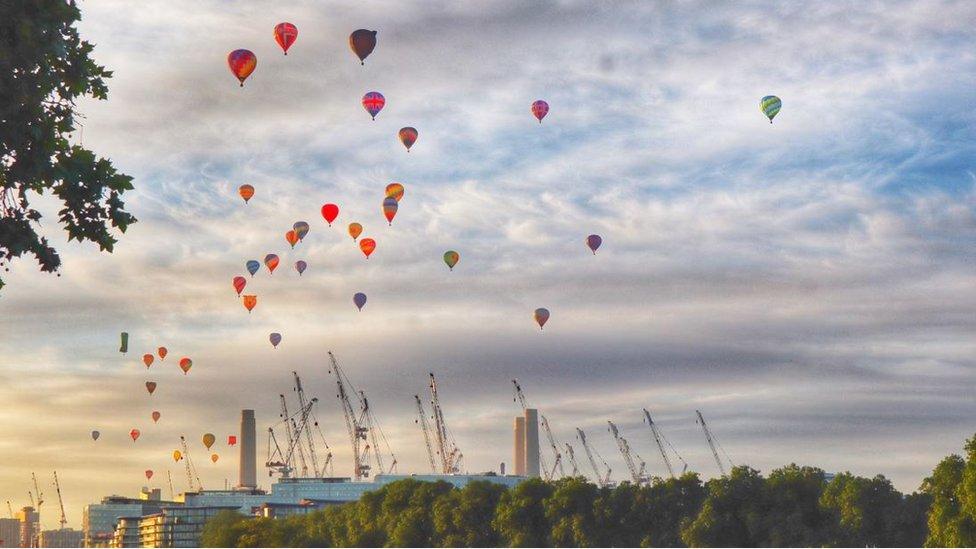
362 43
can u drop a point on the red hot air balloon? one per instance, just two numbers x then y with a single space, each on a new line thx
246 192
285 35
147 359
271 262
390 208
162 352
149 474
156 415
408 136
242 63
362 42
541 316
593 242
540 109
292 238
231 440
239 283
151 387
134 434
373 103
330 212
185 365
367 245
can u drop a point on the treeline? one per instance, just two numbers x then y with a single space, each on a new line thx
793 506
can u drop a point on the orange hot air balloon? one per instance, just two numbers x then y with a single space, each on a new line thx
362 42
177 455
292 238
134 434
156 415
151 386
149 474
185 364
208 440
271 262
250 301
367 245
408 136
246 192
147 359
330 212
239 283
394 190
242 63
214 458
355 229
285 35
162 352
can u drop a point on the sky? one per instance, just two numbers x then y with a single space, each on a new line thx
809 285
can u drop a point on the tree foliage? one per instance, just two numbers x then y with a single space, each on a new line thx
45 67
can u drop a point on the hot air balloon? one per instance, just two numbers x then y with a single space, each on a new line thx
390 207
367 245
149 474
330 212
250 301
292 238
541 316
242 63
148 359
124 348
162 352
593 242
408 136
177 455
275 339
355 229
362 42
770 106
253 266
540 109
271 262
214 458
95 435
231 440
246 192
451 258
151 387
301 229
186 364
359 300
300 266
285 35
134 434
239 283
373 103
156 415
395 190
208 440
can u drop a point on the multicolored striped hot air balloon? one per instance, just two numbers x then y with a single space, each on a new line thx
390 207
770 106
271 261
541 316
373 103
285 35
408 136
301 229
239 283
242 64
395 190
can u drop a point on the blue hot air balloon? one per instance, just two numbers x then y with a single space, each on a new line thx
360 300
275 339
253 266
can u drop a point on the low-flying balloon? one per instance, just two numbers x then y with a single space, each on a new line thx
177 455
301 229
330 212
253 266
185 364
285 35
250 301
770 106
355 229
149 474
214 458
390 207
134 434
275 339
151 386
541 316
362 42
124 348
451 258
395 190
300 266
593 242
231 440
95 435
271 262
208 440
367 245
242 63
540 109
408 136
246 192
162 352
148 359
359 300
155 416
292 238
239 283
373 103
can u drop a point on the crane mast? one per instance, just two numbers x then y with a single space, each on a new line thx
450 454
425 426
191 470
357 432
637 474
711 442
303 404
57 487
292 436
10 509
602 480
172 493
40 496
572 460
375 434
657 440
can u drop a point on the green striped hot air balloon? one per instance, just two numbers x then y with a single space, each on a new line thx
770 106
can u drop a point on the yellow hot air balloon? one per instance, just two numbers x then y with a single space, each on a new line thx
177 455
208 440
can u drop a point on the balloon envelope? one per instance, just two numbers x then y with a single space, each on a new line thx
367 245
208 440
770 106
231 440
253 266
301 229
185 364
540 109
390 207
250 301
285 35
593 242
451 258
177 455
355 229
149 474
162 352
239 283
242 63
300 266
292 238
360 300
395 190
271 262
214 458
148 359
275 339
95 435
151 386
362 42
156 415
134 434
408 136
541 316
124 348
373 103
330 212
246 192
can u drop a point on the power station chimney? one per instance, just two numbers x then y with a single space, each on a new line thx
531 442
519 446
248 473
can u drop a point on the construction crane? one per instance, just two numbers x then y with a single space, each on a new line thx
292 435
57 487
425 426
280 461
37 491
172 493
450 454
303 405
602 480
327 466
636 473
572 460
557 455
358 434
191 470
658 437
712 443
376 434
10 509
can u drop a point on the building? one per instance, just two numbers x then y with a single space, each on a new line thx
99 520
127 532
9 532
247 479
65 537
518 454
526 444
29 520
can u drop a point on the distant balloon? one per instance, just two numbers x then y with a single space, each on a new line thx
275 339
390 207
253 266
359 300
541 316
451 258
292 238
271 262
147 359
362 42
162 352
124 348
208 440
593 242
185 365
156 415
149 474
770 106
250 301
540 109
330 212
367 245
301 229
395 190
95 435
239 283
151 387
231 440
408 136
242 63
177 455
373 103
355 229
285 35
246 192
300 266
214 458
134 434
